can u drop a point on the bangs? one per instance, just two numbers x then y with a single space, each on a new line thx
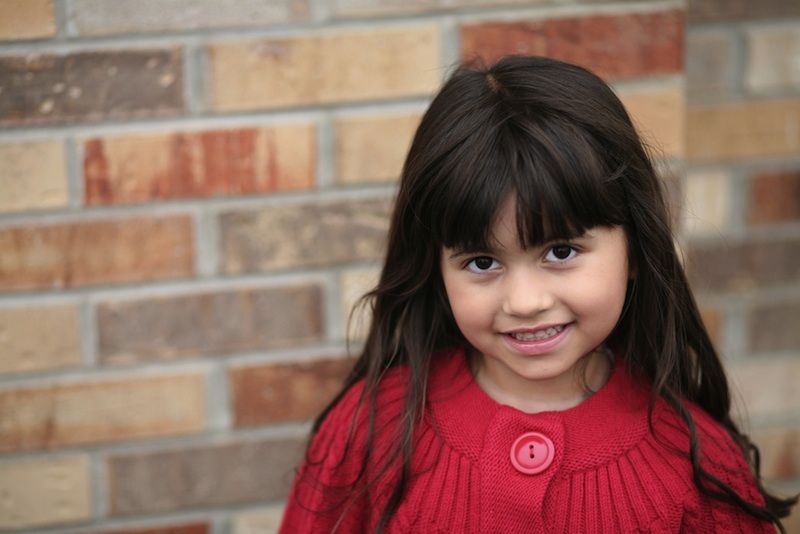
554 169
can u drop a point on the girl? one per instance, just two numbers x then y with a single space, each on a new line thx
536 361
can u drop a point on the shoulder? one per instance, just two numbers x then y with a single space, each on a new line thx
721 457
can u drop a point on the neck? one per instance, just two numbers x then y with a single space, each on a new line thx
559 394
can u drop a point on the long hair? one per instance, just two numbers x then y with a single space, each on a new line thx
557 137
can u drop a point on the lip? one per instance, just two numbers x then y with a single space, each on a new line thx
536 347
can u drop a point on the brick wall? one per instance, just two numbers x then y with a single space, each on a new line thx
192 194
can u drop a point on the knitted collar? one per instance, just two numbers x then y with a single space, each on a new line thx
600 429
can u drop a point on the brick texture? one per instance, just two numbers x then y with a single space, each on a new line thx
780 453
614 46
711 65
372 148
774 327
199 478
772 59
324 68
100 411
768 388
208 323
323 234
260 521
188 528
141 168
95 252
708 203
367 8
774 197
33 175
659 117
24 348
735 265
104 17
354 284
89 86
26 19
720 10
733 131
44 492
274 393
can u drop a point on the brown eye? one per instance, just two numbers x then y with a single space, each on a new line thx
481 264
561 253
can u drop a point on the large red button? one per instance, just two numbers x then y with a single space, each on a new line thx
532 453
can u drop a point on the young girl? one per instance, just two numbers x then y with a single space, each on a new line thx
536 361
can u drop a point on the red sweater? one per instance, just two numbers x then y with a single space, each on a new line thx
593 468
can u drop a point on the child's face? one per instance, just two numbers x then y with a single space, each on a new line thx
533 313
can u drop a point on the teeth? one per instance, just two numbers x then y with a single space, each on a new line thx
538 335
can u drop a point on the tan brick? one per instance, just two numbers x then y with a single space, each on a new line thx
209 323
780 453
187 528
743 130
659 117
736 264
711 64
24 348
90 86
615 46
321 234
274 393
44 491
228 474
774 327
265 520
372 148
354 284
712 320
773 59
341 66
719 10
104 17
112 251
774 197
33 175
707 209
100 411
26 19
768 388
142 168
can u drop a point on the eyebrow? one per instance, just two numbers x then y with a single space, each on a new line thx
493 250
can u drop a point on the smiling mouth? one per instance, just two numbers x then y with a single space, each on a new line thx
539 335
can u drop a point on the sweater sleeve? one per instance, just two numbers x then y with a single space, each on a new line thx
325 494
723 459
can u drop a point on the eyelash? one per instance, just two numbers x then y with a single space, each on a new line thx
573 252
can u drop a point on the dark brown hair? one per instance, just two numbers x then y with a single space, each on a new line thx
557 137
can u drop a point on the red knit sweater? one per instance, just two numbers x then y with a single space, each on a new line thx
608 473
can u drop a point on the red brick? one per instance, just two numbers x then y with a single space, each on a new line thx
99 411
614 46
90 86
774 197
188 528
109 251
719 10
739 264
209 323
141 168
199 478
273 393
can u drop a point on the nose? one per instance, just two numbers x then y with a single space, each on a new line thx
527 293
